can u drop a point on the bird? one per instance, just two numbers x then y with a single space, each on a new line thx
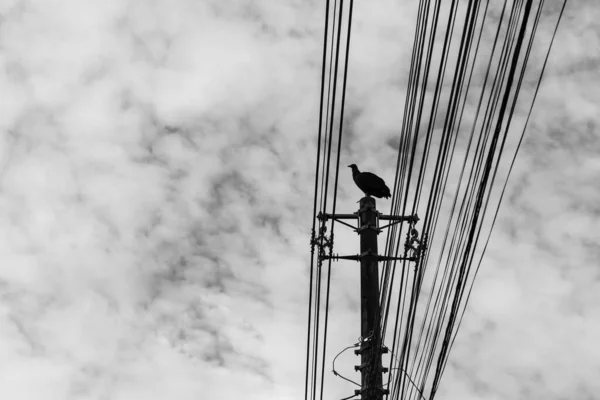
370 183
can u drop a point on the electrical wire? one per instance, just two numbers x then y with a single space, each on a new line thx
333 365
455 133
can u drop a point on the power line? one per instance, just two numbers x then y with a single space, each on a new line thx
453 141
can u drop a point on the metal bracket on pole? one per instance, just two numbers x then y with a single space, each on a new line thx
360 367
368 226
358 392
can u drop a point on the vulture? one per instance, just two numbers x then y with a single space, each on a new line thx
370 183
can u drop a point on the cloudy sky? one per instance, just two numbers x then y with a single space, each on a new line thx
156 182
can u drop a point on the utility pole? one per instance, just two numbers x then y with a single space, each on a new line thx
370 351
367 218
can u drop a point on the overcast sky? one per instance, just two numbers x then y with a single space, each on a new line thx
156 180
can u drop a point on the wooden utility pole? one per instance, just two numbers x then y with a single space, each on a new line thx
367 218
370 352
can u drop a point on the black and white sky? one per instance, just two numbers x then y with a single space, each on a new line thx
156 180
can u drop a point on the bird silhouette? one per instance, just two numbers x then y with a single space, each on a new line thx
370 183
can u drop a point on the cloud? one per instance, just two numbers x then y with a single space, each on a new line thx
156 181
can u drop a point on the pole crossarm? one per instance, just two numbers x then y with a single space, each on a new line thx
412 219
358 257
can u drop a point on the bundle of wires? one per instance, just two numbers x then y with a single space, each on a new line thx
453 176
